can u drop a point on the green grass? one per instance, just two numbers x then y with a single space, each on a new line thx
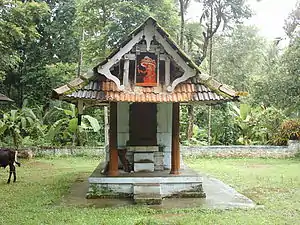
36 196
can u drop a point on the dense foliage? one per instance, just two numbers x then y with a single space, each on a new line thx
56 126
46 43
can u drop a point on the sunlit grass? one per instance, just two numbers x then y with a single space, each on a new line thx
42 184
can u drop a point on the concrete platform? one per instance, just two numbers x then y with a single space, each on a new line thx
102 186
218 196
221 195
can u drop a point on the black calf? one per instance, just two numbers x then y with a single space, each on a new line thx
8 158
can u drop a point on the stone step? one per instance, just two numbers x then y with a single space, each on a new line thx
143 167
147 189
143 157
143 148
159 167
147 199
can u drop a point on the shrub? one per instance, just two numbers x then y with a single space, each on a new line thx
289 130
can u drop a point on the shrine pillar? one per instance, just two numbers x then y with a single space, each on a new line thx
113 152
175 152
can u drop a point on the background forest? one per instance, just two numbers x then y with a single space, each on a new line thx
46 43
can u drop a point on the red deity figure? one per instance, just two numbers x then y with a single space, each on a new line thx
146 72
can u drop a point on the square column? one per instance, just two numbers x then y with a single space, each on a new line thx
113 152
175 154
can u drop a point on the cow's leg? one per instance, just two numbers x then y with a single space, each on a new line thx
15 175
8 181
12 170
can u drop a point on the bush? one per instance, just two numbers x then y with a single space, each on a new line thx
289 130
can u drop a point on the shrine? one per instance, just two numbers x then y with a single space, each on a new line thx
143 82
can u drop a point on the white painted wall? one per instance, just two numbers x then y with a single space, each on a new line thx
122 124
164 128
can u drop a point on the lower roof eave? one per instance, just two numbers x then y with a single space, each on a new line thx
106 102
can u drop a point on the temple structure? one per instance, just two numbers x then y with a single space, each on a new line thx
143 82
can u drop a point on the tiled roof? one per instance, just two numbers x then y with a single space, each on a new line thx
95 87
104 90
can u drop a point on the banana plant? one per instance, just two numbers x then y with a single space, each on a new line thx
67 129
244 119
19 123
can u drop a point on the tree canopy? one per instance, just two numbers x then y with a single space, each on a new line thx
46 43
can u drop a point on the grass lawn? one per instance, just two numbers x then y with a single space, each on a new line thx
35 197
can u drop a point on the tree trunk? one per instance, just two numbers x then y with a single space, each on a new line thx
182 23
183 7
209 126
80 55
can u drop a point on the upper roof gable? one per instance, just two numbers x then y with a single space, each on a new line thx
148 31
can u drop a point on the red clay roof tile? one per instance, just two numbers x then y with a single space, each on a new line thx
105 90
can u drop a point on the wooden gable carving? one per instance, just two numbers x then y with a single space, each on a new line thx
148 58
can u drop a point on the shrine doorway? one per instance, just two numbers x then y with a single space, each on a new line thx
142 124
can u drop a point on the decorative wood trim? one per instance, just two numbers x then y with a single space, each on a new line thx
135 66
188 71
153 48
130 56
126 72
105 69
167 71
148 32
